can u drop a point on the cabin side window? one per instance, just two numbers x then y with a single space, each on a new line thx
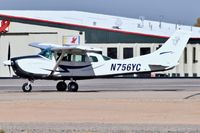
73 58
93 59
78 58
106 58
66 57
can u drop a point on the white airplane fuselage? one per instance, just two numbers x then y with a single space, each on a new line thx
40 67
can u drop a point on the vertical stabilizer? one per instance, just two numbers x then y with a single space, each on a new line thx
171 51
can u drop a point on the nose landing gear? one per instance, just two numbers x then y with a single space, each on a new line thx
27 87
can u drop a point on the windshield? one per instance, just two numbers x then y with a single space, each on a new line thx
46 53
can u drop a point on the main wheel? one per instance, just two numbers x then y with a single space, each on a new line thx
27 87
73 87
61 86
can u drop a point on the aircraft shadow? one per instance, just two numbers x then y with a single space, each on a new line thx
98 91
192 96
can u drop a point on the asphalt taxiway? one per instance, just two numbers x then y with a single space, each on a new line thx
103 85
106 104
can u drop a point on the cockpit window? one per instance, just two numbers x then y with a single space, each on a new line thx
46 53
93 59
106 58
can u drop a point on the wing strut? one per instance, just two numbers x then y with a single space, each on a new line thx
57 63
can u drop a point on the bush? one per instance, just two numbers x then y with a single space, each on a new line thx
2 131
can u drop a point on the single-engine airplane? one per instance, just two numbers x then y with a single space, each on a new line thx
76 62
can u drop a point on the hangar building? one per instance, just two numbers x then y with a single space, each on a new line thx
118 37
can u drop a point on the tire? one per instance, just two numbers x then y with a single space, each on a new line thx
73 87
61 86
27 87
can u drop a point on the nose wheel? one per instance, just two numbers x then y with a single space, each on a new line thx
27 87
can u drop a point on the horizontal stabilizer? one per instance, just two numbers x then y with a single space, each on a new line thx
160 67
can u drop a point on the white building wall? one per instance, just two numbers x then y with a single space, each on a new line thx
197 69
189 61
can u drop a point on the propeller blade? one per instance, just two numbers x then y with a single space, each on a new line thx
9 51
9 70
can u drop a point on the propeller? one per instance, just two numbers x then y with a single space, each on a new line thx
9 58
9 51
8 62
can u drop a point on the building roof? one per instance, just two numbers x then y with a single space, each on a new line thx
102 22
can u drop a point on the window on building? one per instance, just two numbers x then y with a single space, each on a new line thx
112 52
173 74
144 51
186 75
194 55
127 53
194 74
185 55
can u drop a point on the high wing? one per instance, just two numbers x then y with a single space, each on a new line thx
75 49
65 48
43 46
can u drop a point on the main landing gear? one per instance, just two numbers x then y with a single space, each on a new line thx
72 86
61 86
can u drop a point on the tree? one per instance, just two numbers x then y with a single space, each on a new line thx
198 22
